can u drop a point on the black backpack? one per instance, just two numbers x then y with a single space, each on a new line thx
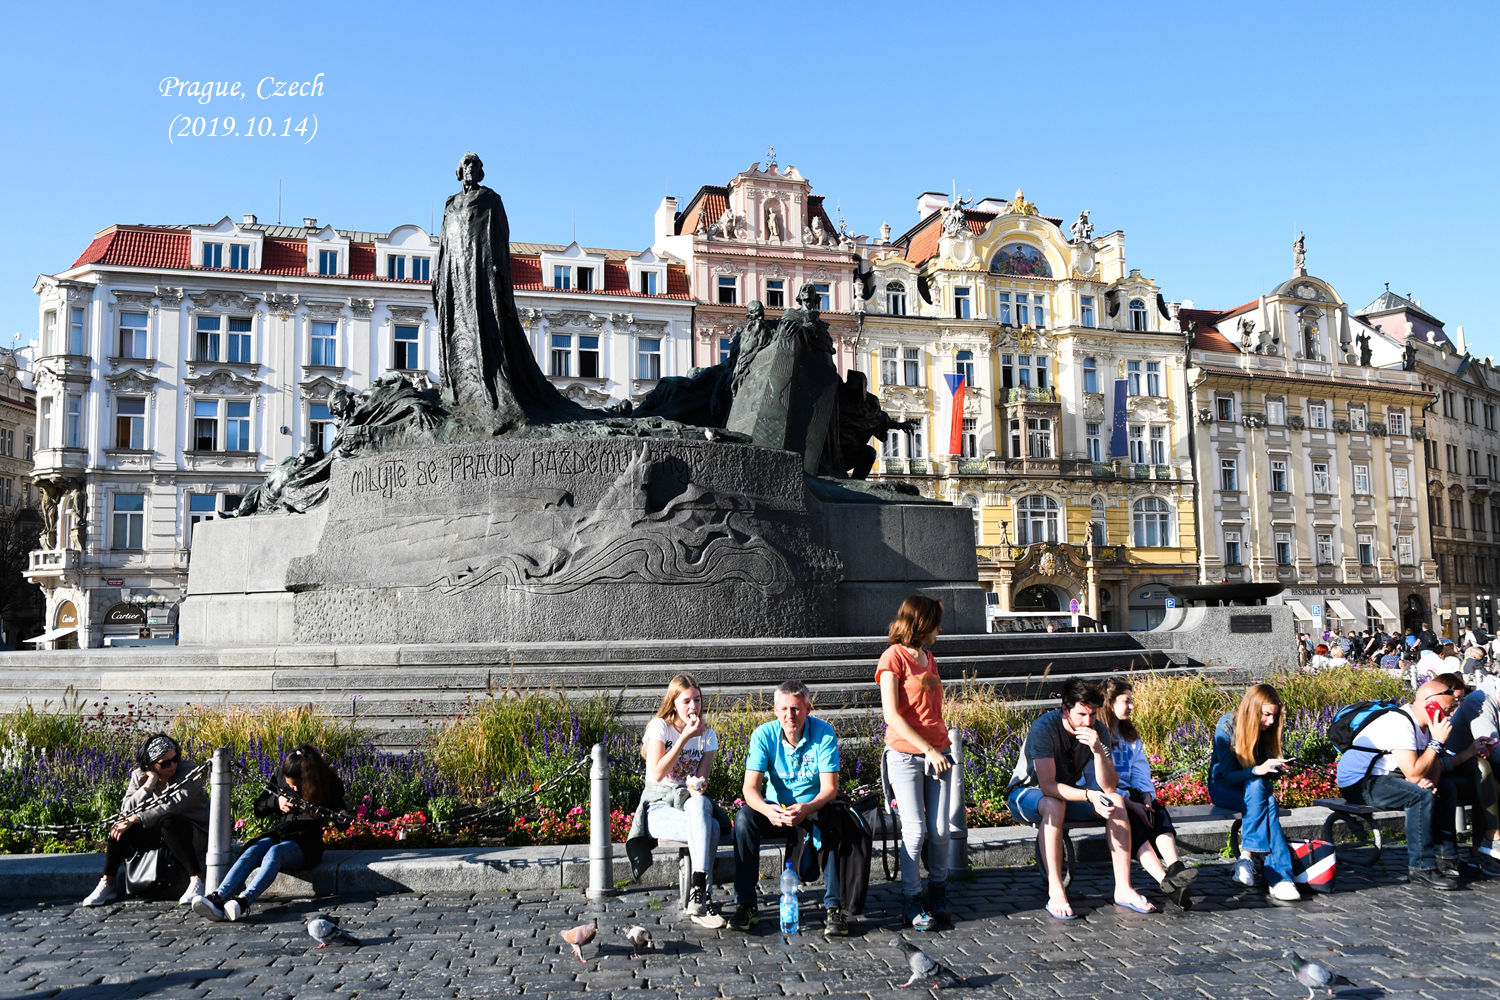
1351 720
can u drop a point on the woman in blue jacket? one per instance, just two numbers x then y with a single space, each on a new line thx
1246 763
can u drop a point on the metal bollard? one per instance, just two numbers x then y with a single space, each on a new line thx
220 820
958 818
601 840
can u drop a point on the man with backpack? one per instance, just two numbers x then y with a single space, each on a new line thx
1392 760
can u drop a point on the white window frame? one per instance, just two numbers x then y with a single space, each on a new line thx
1229 475
648 359
1090 375
139 337
1137 313
1093 442
1153 378
1396 422
411 346
1086 311
135 430
1361 479
895 298
1036 513
1405 551
1276 412
130 523
963 304
74 417
1155 519
1279 469
1284 550
1358 418
318 330
1400 481
1365 546
77 333
1232 554
912 364
1322 482
890 367
1158 436
1317 416
1324 548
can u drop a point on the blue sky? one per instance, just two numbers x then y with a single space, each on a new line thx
1209 132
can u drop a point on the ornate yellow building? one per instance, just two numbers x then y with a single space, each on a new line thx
1071 436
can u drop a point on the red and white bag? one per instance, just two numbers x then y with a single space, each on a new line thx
1314 864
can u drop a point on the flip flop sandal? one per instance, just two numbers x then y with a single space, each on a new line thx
1059 916
1148 908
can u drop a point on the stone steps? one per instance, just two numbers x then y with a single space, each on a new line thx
396 691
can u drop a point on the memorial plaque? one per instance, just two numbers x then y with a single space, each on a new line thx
1250 623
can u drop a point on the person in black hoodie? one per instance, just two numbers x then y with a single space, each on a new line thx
296 841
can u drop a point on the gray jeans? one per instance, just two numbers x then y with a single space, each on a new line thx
693 824
923 803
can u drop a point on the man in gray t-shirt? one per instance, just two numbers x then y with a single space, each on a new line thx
1044 791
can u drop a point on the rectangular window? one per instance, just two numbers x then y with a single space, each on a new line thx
1133 377
1024 370
648 358
588 357
561 358
1321 482
395 267
1137 437
129 520
1007 371
1038 313
776 295
963 365
1039 436
1325 550
1229 474
1366 544
1283 548
648 282
1278 475
1447 403
1005 309
1405 550
1090 375
1435 511
239 257
726 347
404 357
1276 412
237 426
1401 481
44 422
1492 463
825 301
562 278
1361 480
130 422
1317 415
1158 446
888 368
1489 416
1043 367
213 255
133 335
239 340
49 332
585 279
1086 311
74 437
1226 408
1231 548
961 303
1473 459
1495 520
324 345
1023 309
76 340
911 365
421 269
328 262
1357 418
31 444
1153 378
320 426
1476 516
1456 512
1095 445
201 507
206 345
729 291
205 425
970 437
1452 450
1396 422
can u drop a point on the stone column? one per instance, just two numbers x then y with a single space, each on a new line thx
1002 587
1092 583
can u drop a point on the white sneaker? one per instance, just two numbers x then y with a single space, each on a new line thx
1244 871
233 909
1287 892
209 907
195 888
103 893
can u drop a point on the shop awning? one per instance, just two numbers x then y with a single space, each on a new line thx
1299 611
1341 610
1381 610
56 633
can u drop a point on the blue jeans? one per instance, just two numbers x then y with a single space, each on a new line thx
693 824
267 855
750 827
1260 831
1428 814
1026 805
922 799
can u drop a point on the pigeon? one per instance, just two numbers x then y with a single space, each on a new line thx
326 932
580 935
639 937
925 967
1314 976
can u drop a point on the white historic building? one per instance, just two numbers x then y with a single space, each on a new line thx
178 364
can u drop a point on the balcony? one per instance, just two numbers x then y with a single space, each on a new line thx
1030 394
48 563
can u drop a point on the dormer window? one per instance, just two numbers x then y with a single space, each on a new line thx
421 269
395 267
328 262
562 278
895 298
1138 315
239 257
648 282
585 279
213 255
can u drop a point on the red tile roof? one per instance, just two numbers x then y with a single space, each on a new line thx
526 270
526 276
923 241
616 277
284 257
129 247
709 203
361 260
1208 338
677 283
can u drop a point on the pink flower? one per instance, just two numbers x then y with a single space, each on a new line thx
381 814
239 824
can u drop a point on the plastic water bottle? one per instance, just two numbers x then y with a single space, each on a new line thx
791 917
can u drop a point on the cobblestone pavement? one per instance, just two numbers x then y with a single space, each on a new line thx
1392 940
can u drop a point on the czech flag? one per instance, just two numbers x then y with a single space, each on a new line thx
956 385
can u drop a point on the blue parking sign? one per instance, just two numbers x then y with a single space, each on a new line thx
1171 603
1317 611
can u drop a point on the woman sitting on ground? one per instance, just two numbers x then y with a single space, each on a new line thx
162 808
1319 660
679 748
1247 761
307 791
1153 839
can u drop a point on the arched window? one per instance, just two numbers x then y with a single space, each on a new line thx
1137 315
1153 523
895 298
963 364
1036 520
1090 375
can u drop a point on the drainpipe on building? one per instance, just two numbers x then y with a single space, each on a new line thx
1192 418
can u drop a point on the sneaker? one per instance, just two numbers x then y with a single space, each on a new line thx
1458 868
1487 864
1432 878
235 908
836 924
1244 872
1286 891
746 917
194 890
937 902
917 916
210 907
103 893
702 910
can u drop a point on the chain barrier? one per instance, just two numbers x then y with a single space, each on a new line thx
303 805
507 810
82 827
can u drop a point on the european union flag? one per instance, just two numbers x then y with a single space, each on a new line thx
1118 447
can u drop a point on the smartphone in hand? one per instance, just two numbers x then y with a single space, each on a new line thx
1435 712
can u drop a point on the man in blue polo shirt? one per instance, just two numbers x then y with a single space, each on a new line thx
797 757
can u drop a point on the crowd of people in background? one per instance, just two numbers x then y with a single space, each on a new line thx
1415 653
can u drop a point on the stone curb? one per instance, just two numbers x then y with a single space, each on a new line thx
489 871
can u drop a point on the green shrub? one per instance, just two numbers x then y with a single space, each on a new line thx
204 728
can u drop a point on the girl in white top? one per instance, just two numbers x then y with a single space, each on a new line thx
679 748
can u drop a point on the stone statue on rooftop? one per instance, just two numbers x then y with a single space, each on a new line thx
1363 340
1247 333
724 228
1299 254
773 223
1083 229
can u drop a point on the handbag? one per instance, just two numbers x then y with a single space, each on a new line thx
1314 864
153 873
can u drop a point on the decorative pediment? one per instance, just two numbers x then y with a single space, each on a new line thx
903 397
728 267
324 310
128 298
131 380
218 301
285 302
569 317
776 271
222 381
1434 488
651 326
318 389
410 314
587 395
1159 407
